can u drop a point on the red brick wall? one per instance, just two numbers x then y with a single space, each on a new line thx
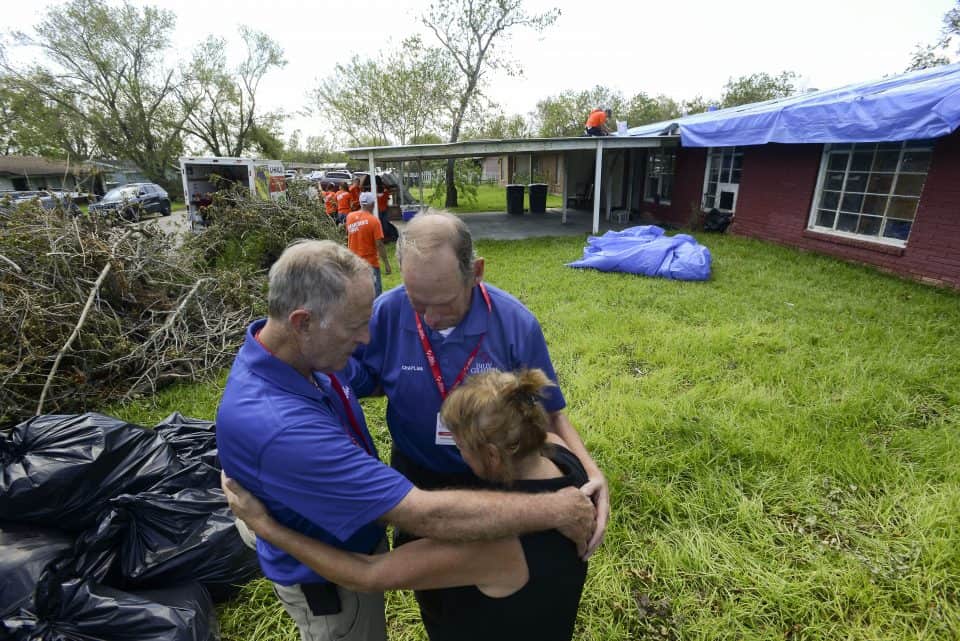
933 249
777 190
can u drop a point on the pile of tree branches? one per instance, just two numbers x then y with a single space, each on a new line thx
92 313
252 232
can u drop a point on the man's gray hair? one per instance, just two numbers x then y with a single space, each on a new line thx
312 275
427 232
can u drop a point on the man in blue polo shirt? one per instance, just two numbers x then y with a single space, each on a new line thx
443 325
290 430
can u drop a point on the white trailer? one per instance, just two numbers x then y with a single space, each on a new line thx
203 176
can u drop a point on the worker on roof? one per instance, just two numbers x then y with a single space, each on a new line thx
597 122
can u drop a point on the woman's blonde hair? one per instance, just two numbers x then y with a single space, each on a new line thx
502 409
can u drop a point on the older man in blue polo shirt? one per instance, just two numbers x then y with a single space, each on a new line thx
443 325
290 430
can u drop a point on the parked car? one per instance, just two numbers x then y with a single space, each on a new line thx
132 200
79 197
337 176
47 199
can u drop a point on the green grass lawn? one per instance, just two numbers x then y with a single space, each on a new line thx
779 441
490 198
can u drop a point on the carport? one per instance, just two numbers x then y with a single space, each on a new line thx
619 149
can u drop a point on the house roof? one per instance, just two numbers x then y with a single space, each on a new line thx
112 164
481 148
37 166
912 106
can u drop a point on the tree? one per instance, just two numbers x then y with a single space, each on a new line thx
696 105
758 87
317 149
396 97
564 115
927 56
266 141
642 109
104 65
220 103
938 53
470 31
33 126
499 126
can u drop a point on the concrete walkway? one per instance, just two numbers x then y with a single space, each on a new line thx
502 226
486 226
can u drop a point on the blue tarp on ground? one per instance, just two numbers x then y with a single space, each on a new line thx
912 106
646 250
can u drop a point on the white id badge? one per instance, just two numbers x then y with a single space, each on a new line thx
444 437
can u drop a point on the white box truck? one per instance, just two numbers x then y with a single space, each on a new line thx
204 176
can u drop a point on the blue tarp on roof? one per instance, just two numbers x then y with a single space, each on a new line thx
913 106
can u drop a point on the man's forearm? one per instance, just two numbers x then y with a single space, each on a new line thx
470 515
353 571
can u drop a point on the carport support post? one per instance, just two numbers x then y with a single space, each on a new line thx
610 183
597 176
403 185
566 177
630 175
420 180
373 185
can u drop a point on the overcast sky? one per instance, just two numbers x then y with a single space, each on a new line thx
680 48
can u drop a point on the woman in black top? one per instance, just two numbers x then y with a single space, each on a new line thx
525 587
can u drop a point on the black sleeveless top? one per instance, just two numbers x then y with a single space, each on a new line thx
543 609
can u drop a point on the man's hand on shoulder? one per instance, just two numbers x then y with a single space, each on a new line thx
578 518
599 492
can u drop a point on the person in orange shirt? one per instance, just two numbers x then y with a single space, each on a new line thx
330 199
355 194
343 202
597 122
365 238
383 200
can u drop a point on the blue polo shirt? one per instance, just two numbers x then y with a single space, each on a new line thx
291 445
512 339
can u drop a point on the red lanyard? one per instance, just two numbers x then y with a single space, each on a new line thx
432 358
354 424
351 418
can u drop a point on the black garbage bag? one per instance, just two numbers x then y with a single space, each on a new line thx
60 470
196 475
152 539
81 610
192 438
717 220
390 231
25 551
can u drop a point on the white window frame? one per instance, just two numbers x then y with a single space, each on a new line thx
652 198
821 177
733 152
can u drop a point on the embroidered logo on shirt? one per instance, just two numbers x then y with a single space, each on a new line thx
481 365
411 368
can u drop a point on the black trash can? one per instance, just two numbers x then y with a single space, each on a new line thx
538 198
515 199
